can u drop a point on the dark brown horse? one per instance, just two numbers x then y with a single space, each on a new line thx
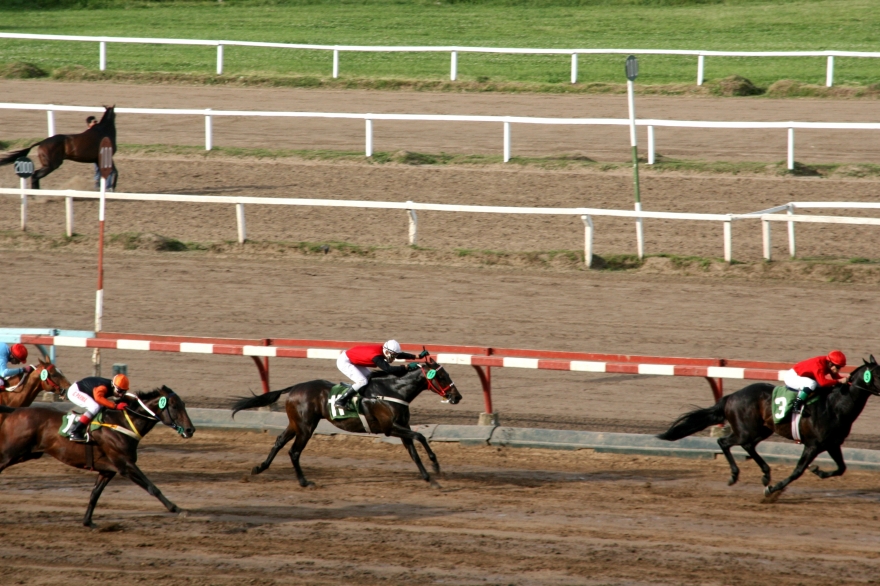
22 390
385 410
31 432
82 148
824 426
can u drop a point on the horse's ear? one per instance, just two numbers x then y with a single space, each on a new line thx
873 360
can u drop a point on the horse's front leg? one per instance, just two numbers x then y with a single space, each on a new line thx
130 470
104 477
836 455
407 436
809 454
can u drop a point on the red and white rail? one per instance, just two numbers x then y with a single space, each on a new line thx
482 359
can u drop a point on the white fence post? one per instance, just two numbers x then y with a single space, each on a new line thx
209 134
829 72
792 250
219 59
791 149
50 118
650 145
574 68
23 185
369 140
588 240
728 242
68 209
102 55
239 220
453 66
506 141
701 64
765 234
640 234
335 63
413 226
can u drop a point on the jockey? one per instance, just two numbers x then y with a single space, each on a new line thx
355 362
91 394
817 372
16 354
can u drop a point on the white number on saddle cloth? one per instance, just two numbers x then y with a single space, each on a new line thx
68 422
781 403
336 410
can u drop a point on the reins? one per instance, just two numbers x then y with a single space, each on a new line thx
867 378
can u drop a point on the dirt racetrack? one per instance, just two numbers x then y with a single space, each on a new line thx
502 517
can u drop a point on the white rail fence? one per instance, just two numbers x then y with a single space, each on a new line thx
505 121
410 207
452 50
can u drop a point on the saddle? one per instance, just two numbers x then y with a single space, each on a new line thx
783 399
337 411
72 416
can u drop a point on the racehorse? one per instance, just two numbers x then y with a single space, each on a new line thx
29 433
22 389
82 148
749 412
385 409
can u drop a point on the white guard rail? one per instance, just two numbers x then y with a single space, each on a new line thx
452 50
790 218
506 121
409 206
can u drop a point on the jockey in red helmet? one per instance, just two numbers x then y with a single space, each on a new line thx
15 354
355 363
817 372
91 394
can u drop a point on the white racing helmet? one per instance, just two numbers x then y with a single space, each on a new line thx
391 349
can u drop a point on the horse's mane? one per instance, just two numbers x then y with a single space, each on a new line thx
149 395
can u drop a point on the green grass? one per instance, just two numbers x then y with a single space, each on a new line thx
744 25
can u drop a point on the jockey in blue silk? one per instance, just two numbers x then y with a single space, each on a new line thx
15 354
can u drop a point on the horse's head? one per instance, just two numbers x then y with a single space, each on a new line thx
167 406
866 377
51 378
439 380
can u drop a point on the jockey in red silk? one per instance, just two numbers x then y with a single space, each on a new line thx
355 363
15 354
92 395
817 372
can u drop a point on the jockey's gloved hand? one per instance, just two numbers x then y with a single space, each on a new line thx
28 368
412 366
121 405
423 353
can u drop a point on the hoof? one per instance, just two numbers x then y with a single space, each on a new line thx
765 480
435 485
182 513
815 470
310 486
175 509
256 470
436 468
768 491
732 480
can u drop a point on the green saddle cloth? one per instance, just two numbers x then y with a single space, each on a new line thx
70 418
782 400
338 412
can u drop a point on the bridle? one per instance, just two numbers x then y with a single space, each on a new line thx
53 386
868 379
163 401
431 377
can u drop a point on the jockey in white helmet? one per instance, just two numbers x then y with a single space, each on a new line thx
355 363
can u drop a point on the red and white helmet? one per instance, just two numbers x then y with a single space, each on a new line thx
19 352
391 349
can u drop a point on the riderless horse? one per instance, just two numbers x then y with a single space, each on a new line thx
384 409
29 433
749 412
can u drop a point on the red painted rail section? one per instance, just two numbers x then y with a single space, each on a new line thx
482 359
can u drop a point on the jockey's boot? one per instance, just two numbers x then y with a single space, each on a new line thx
78 432
344 400
797 406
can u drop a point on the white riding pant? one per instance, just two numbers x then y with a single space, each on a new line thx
80 399
799 383
359 375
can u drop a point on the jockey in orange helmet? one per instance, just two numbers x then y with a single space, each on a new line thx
91 394
808 375
15 354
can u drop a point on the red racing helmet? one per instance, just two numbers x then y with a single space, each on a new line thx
837 358
19 352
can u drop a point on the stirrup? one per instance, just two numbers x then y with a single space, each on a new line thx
80 439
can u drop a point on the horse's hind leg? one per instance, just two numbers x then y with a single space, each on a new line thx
103 479
282 439
724 443
299 444
836 455
750 450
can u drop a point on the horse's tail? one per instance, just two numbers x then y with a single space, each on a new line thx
16 154
694 421
258 400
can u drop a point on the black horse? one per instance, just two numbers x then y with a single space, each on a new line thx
82 148
824 426
385 410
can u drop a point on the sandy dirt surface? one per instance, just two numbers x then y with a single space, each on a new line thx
501 516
